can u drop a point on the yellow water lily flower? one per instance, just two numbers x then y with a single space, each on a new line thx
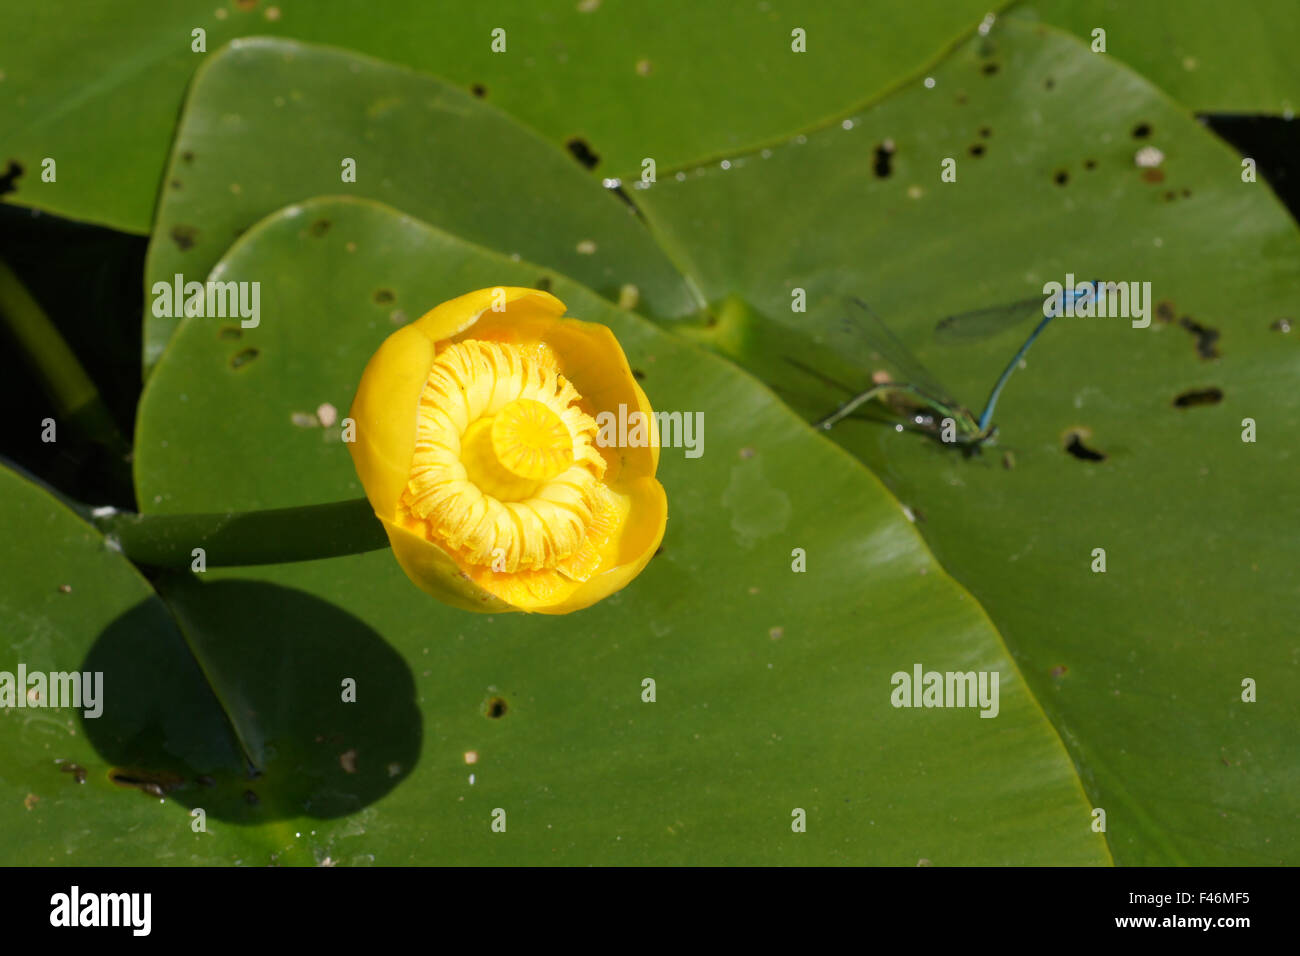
477 445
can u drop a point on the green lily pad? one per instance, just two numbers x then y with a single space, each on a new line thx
772 686
1213 57
1141 667
270 122
165 729
673 82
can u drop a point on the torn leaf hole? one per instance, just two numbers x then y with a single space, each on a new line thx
1206 337
1074 444
243 357
582 152
151 783
1199 396
882 163
184 236
12 171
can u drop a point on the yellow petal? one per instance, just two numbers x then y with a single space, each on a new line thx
457 315
384 410
633 549
435 572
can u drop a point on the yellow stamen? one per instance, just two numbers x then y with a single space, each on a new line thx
512 454
531 441
506 476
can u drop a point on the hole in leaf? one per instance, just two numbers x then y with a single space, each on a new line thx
184 236
12 171
1199 396
883 162
1074 439
582 152
1141 130
543 284
243 357
638 375
383 296
1206 337
495 708
977 149
1061 177
319 228
151 783
988 69
479 90
1089 164
1281 325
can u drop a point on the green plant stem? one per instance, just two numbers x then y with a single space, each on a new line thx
245 537
76 399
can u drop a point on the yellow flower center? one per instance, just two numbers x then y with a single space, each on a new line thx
512 454
506 475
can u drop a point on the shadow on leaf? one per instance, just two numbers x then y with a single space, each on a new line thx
247 718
